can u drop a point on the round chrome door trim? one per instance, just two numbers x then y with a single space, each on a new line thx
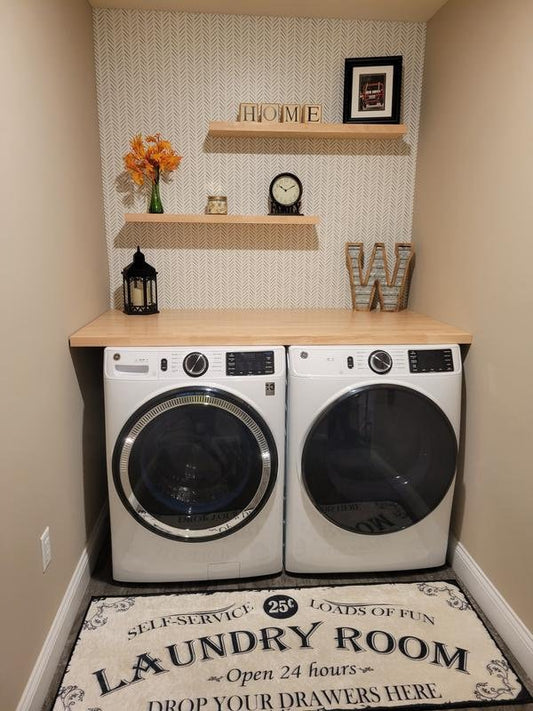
208 397
358 391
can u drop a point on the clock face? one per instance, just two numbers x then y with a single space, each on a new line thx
286 189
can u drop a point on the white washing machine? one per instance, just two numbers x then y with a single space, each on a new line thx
195 459
371 456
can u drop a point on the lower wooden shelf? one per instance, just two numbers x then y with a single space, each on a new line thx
225 219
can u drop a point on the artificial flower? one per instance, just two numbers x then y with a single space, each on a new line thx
150 157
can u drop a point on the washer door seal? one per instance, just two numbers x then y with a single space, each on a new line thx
379 459
194 464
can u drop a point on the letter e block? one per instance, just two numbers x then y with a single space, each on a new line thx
291 113
248 112
269 113
312 113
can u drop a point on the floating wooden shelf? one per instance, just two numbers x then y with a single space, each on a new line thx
247 129
225 219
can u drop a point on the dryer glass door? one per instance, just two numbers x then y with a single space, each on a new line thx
379 459
194 464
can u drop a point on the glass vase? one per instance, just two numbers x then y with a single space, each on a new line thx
156 206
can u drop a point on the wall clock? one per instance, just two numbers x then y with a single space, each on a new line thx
285 194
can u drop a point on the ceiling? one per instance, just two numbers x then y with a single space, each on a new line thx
392 10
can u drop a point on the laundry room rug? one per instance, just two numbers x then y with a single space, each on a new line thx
343 647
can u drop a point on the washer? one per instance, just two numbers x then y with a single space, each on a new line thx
371 456
195 460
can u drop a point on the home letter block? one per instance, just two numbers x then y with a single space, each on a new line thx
312 113
291 113
270 113
376 288
248 112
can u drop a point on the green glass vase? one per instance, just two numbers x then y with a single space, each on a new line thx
156 206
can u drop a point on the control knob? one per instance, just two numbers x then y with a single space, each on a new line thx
195 364
380 362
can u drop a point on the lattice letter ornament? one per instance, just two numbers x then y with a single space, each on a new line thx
376 289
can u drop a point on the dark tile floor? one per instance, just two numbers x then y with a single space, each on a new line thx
102 584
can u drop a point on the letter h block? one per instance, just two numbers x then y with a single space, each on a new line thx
248 112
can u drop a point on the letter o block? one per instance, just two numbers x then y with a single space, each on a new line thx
270 113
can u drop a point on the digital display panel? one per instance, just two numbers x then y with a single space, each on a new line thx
250 363
438 360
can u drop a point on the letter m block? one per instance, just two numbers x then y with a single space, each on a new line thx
376 288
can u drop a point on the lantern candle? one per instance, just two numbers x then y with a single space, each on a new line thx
139 286
137 293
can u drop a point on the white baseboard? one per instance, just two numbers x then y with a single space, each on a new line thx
45 667
505 621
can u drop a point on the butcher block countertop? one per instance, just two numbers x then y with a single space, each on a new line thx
268 327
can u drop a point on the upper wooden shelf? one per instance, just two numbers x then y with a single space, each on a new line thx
265 327
224 219
247 129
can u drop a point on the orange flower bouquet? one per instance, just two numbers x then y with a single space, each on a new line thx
149 158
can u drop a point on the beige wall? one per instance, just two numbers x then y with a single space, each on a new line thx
53 280
473 233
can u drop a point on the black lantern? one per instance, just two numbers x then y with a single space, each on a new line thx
139 285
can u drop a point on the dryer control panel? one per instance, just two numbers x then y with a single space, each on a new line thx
379 361
438 360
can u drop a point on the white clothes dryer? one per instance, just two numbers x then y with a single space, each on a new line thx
195 460
371 456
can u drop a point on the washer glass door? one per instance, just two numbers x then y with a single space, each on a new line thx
194 464
379 459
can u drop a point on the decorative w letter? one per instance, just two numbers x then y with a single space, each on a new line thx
375 288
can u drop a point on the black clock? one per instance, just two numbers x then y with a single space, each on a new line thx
285 195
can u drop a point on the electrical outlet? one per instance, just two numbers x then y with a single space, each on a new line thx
46 548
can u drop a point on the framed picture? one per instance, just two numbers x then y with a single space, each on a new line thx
372 88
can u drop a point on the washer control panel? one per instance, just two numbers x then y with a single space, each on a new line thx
194 362
250 363
438 360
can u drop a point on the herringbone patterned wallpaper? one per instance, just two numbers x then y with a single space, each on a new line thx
173 73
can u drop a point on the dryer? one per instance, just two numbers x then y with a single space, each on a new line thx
371 456
195 460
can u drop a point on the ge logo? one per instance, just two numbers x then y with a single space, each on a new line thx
280 606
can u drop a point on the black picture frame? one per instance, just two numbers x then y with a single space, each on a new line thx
372 89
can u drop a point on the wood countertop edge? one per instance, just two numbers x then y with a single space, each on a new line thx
284 327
